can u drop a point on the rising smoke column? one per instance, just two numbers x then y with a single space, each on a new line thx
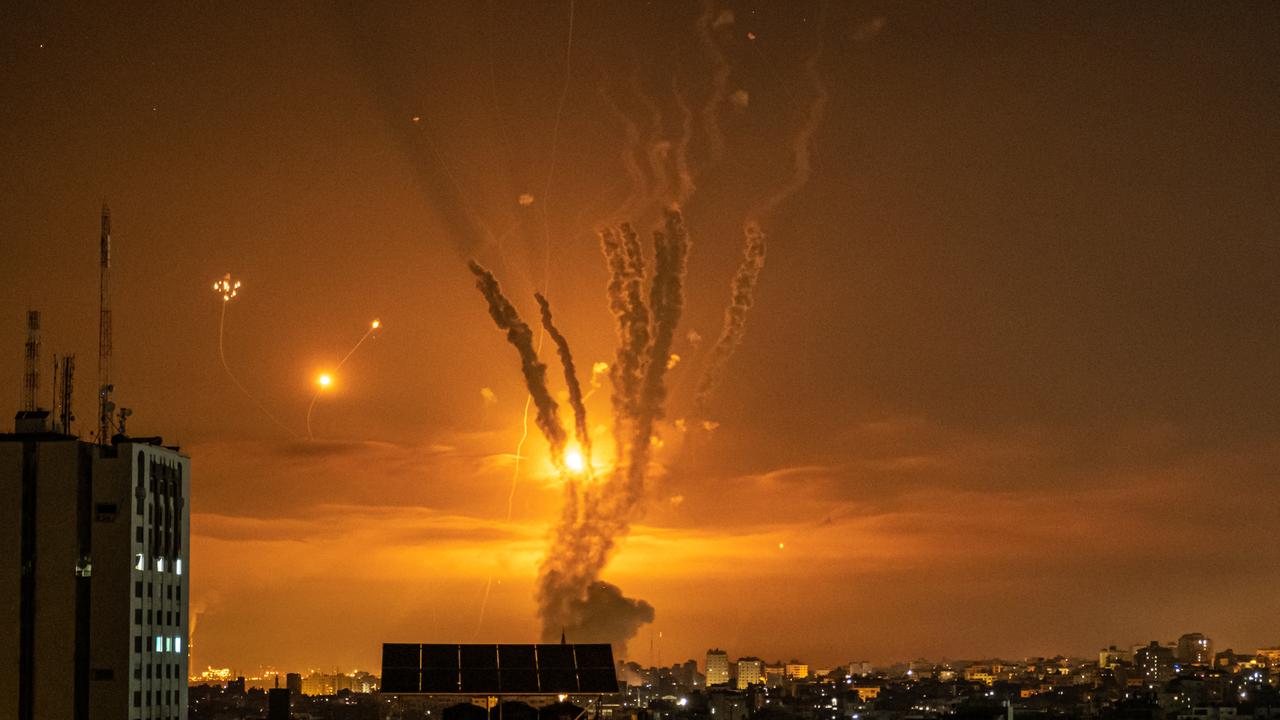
570 594
570 379
666 302
535 373
742 296
634 326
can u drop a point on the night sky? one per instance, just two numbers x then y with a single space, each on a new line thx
1010 386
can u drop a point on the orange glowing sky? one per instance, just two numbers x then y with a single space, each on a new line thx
1010 386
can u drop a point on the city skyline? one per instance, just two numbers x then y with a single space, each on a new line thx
1009 384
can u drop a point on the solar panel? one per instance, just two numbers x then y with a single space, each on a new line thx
438 669
555 656
518 680
594 656
440 680
440 656
558 680
401 680
479 656
480 680
516 656
401 655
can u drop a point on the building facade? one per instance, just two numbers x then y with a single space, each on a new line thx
93 599
1195 649
750 672
717 668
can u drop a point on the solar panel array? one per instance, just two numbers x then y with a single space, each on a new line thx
498 669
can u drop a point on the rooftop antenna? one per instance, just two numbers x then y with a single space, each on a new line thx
67 385
105 406
31 378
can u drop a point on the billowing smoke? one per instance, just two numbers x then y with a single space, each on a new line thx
666 303
535 373
571 596
581 429
604 615
742 296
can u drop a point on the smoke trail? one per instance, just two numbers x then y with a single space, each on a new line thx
630 164
684 175
535 373
658 149
742 296
666 301
634 326
802 141
719 81
570 593
570 379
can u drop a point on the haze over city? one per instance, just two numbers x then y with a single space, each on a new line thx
1009 379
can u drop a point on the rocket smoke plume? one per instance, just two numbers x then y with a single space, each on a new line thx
666 303
535 373
571 596
802 141
742 289
570 379
742 296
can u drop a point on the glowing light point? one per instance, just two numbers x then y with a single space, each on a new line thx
525 200
325 380
375 324
573 460
226 287
781 546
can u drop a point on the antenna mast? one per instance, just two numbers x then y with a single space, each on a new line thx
105 406
31 378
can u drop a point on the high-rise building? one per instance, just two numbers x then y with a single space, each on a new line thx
93 582
1155 662
750 672
717 667
278 704
796 670
293 682
1195 649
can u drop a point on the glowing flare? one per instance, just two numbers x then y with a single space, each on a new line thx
324 380
375 324
573 460
226 287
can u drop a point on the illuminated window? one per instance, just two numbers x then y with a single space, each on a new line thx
159 644
139 562
177 566
168 644
160 564
177 644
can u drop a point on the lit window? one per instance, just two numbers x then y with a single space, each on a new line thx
168 644
160 564
177 644
159 643
177 566
139 562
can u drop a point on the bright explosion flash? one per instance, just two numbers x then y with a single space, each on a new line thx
324 381
573 460
226 287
